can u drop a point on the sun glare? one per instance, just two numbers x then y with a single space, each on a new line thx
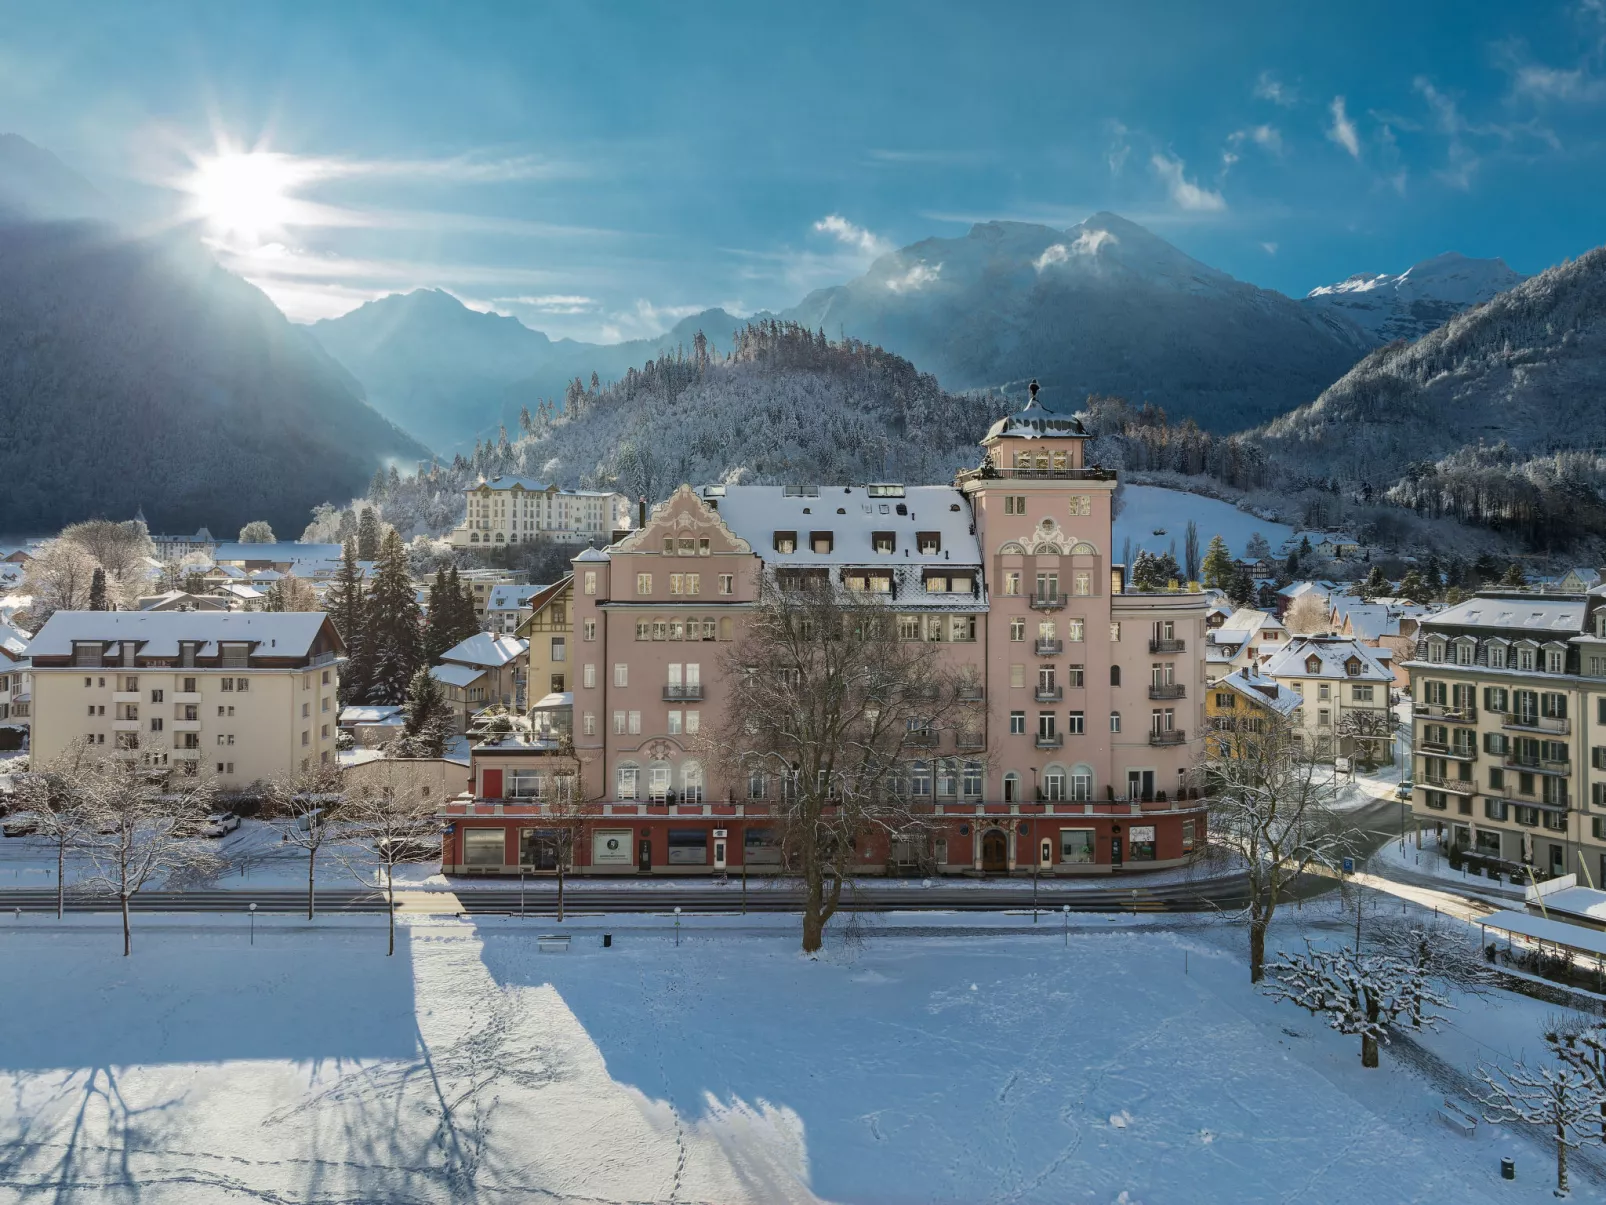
244 193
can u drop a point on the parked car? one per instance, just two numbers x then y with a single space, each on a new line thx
220 824
22 824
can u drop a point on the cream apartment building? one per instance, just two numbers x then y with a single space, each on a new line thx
1346 691
244 697
512 510
1510 720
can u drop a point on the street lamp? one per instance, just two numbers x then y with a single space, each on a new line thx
1066 909
677 924
253 924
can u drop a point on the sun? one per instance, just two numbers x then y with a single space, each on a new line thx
245 194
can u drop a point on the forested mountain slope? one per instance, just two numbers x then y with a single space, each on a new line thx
137 373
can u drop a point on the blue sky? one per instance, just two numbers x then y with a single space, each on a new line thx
601 169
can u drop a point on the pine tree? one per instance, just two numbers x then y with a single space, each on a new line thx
97 591
1375 584
391 640
442 620
368 534
1414 589
1190 550
460 604
1514 576
1240 586
429 717
346 609
1218 567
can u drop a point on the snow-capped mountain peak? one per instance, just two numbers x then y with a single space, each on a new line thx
1424 296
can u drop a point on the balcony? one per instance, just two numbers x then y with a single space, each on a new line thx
1443 711
1538 765
1050 648
126 696
991 472
184 725
1046 602
970 740
186 755
1049 694
1173 690
1457 752
125 725
1050 740
1168 646
1523 722
1175 736
185 696
691 692
1456 786
922 738
972 694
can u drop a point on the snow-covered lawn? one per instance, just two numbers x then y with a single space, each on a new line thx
1147 508
947 1059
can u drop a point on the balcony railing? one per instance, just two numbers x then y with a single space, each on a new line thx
1524 722
1050 648
1049 694
972 694
1173 736
1538 765
1173 691
1443 711
970 740
1050 740
1440 749
1168 646
993 472
689 693
921 738
1046 602
1456 786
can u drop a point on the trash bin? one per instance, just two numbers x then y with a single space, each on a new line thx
607 940
1508 1169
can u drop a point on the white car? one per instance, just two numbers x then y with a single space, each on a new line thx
220 825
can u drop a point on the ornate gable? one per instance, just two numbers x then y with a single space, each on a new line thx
683 514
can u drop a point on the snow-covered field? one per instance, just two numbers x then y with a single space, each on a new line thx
947 1059
1147 508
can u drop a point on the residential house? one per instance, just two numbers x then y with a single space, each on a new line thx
16 699
1246 704
1346 689
483 671
549 632
506 607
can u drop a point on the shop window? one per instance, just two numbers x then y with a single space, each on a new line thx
1076 845
484 847
688 847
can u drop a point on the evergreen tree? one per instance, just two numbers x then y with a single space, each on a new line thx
1291 566
1485 569
97 591
368 535
429 717
1218 567
1414 589
463 621
1190 550
1375 584
1258 549
1432 578
345 601
1240 586
1514 576
392 642
1150 572
442 622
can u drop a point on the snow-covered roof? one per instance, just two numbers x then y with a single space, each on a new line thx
457 675
1036 421
558 698
369 714
243 593
13 641
486 649
1332 654
593 554
1262 690
851 515
282 550
510 482
1248 621
275 633
511 598
1528 612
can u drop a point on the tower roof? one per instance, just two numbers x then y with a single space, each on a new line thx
1036 421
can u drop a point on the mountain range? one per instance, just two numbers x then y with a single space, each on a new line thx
1416 301
136 373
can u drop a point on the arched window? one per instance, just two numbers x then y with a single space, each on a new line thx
691 782
1115 675
628 781
1012 787
1081 782
1115 721
1054 783
473 537
498 537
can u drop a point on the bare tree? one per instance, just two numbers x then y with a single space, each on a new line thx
1561 1096
1368 731
306 812
142 819
60 796
1274 809
829 701
58 579
1357 993
1434 951
1307 614
1580 1042
290 593
123 550
564 819
390 820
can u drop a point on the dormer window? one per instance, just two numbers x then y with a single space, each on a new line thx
1555 661
883 541
786 541
929 543
1313 665
1352 667
822 542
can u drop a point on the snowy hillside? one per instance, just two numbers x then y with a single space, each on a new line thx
1424 296
1154 519
1102 307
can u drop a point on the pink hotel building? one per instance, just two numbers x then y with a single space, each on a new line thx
1085 710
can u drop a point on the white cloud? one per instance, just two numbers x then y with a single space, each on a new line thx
1185 194
1057 254
850 235
917 277
1575 85
645 320
553 303
1267 138
1119 148
1269 87
1269 248
1342 131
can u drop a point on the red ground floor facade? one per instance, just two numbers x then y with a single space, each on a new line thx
505 837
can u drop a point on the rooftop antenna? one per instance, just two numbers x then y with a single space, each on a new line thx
1032 388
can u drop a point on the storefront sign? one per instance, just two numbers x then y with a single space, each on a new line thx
1142 833
611 847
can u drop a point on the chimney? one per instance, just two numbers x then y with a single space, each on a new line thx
1033 389
641 512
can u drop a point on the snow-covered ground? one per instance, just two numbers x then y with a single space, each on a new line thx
1148 508
946 1059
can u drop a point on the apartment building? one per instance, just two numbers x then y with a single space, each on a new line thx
241 696
511 510
1243 640
1510 720
548 630
483 671
1346 688
506 607
16 691
1245 704
1084 699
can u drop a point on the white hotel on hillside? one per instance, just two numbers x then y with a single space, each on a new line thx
512 510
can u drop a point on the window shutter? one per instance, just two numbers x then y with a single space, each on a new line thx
490 784
1488 701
